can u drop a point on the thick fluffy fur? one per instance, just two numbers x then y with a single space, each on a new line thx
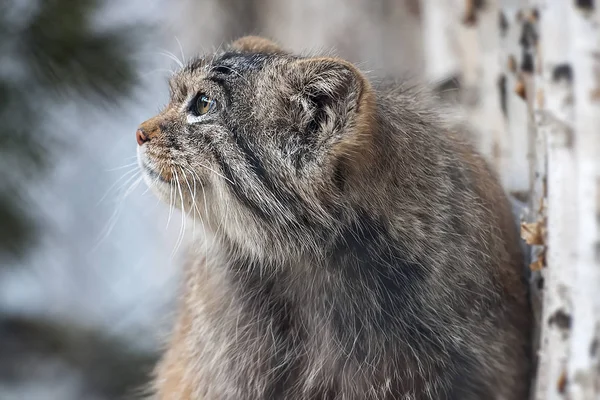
354 247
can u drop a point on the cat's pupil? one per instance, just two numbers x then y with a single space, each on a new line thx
204 104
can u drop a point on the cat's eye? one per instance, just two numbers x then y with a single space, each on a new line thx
204 104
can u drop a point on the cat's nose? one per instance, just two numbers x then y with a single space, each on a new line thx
141 137
150 129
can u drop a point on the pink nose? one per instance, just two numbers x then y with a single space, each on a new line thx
141 137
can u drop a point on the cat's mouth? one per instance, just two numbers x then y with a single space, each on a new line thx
153 170
155 176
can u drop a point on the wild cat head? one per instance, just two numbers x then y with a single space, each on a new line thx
258 142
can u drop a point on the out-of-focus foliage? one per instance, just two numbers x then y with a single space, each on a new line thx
50 50
37 352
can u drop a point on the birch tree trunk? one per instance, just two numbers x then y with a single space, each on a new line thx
556 123
462 39
550 94
439 42
584 358
492 123
516 63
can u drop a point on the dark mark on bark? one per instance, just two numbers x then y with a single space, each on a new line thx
528 42
512 64
587 5
562 71
520 89
598 200
519 16
527 63
472 7
449 89
561 385
502 23
540 283
597 251
529 36
594 348
502 92
560 319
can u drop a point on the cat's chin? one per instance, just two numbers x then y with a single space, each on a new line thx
162 188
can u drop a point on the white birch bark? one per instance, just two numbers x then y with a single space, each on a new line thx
464 42
556 125
584 360
439 29
492 125
562 90
514 156
461 40
469 52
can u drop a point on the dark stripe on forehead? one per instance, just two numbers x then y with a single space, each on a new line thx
195 64
228 61
224 86
239 62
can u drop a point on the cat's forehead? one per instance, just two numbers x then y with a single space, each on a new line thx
238 61
231 67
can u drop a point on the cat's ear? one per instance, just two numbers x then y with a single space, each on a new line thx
256 44
336 99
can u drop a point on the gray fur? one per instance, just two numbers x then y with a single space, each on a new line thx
354 246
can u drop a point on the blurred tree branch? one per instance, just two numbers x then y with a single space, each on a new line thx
111 367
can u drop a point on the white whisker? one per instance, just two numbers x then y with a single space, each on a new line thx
215 54
183 212
172 57
171 200
122 167
132 187
105 232
216 173
154 71
126 174
112 221
194 204
181 50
